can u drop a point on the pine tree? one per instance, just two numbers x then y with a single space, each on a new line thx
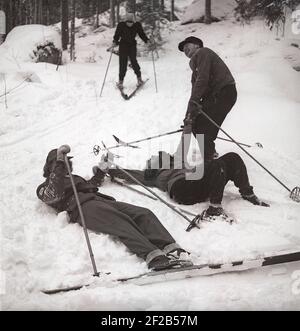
72 46
273 11
64 24
150 16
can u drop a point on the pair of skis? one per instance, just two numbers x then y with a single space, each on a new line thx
132 94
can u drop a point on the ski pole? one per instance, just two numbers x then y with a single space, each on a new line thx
111 53
294 194
96 273
115 180
121 143
192 223
153 62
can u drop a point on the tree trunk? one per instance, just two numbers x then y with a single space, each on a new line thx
172 10
64 24
35 16
112 13
72 48
207 18
97 13
118 11
47 16
131 6
41 20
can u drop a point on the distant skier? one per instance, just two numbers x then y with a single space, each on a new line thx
136 227
213 87
217 173
125 37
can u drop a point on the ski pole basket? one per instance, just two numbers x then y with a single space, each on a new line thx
295 194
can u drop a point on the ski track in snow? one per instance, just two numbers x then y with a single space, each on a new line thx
39 249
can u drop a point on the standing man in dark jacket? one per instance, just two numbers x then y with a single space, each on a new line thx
161 172
125 37
136 227
213 87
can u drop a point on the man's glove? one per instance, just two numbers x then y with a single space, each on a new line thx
187 128
98 177
62 151
194 109
151 44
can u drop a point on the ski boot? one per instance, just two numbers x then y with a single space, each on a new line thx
181 256
213 213
139 82
162 262
120 85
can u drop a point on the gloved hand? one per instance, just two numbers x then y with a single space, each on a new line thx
105 163
187 124
151 44
194 109
187 128
114 44
98 177
62 151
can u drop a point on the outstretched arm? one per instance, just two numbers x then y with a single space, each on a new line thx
117 35
141 32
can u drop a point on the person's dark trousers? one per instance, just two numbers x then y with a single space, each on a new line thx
136 227
217 173
128 51
216 107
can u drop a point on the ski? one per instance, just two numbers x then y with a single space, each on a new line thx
209 269
195 271
132 94
123 143
123 94
128 97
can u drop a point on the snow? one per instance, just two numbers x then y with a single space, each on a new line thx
220 9
41 250
23 40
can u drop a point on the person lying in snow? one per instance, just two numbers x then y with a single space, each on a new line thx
217 173
136 227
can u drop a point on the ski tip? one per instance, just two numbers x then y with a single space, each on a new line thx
116 138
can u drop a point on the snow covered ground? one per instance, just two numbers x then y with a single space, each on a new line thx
40 250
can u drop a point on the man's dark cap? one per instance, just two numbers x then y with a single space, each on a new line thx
52 156
191 39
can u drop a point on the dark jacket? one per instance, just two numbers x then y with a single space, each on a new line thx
210 75
125 35
57 191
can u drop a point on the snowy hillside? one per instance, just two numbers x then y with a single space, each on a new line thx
220 9
40 249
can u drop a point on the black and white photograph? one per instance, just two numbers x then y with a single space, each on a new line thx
150 157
